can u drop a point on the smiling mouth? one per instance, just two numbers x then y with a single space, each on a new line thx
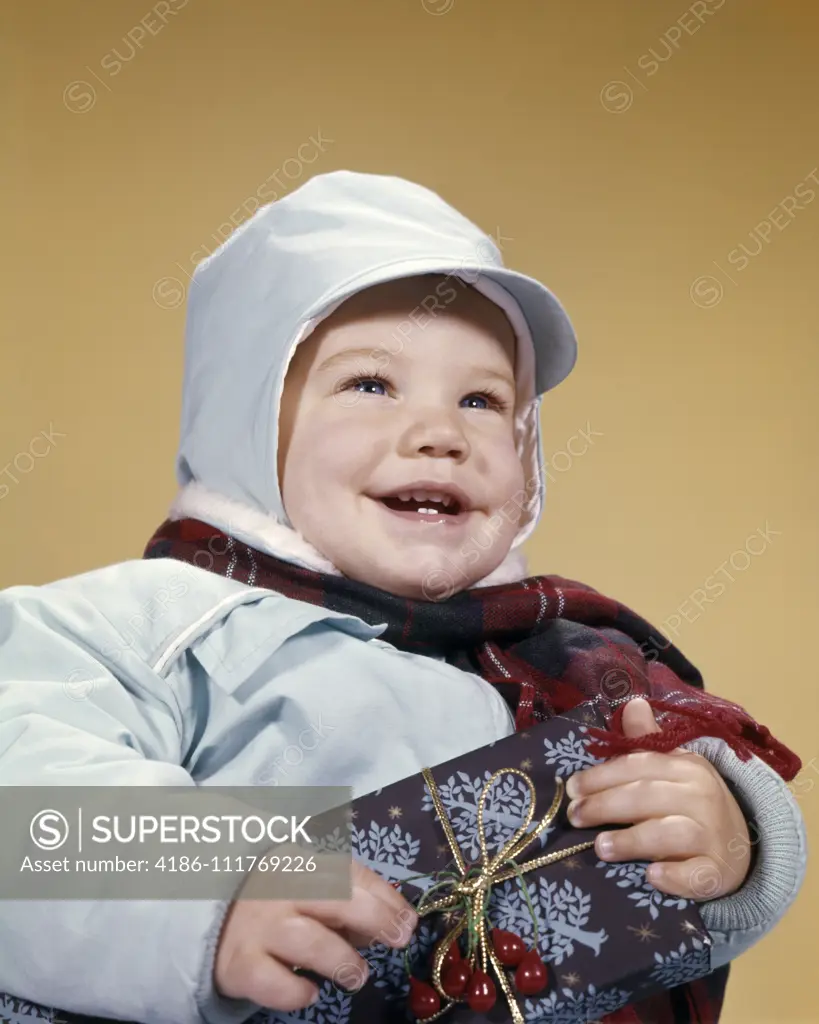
445 511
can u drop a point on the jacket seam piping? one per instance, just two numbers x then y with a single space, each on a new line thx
183 638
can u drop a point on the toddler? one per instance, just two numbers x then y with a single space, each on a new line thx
338 596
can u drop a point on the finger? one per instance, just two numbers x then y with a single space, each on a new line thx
638 719
364 878
399 934
305 942
271 984
673 838
699 878
402 913
634 802
367 916
628 768
358 940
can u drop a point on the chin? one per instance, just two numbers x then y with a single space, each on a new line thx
438 581
421 572
386 577
414 588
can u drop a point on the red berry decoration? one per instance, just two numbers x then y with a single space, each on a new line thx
451 957
456 978
509 947
424 1001
480 993
531 976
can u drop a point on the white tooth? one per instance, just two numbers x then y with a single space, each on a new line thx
428 511
404 496
429 496
447 500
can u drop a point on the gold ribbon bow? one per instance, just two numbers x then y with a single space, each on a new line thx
492 870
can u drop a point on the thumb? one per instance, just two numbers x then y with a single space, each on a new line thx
638 718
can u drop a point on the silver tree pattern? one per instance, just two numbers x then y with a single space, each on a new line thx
562 913
632 874
575 1007
389 851
337 841
504 810
570 753
19 1011
682 965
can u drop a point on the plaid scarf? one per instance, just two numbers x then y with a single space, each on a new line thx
547 644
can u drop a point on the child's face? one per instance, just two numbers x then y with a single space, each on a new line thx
370 411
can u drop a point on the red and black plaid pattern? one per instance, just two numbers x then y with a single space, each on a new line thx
548 644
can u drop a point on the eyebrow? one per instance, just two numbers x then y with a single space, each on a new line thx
503 377
374 352
347 355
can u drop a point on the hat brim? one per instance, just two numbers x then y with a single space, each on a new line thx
553 336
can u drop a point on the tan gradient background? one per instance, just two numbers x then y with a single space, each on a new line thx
619 182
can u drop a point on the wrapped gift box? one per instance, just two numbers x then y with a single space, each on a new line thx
608 938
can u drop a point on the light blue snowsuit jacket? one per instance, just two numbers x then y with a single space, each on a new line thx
159 673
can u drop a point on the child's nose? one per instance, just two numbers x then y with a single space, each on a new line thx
437 435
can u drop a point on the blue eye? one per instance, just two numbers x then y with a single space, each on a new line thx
370 382
490 399
375 384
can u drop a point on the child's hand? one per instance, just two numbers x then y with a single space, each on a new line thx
684 816
262 940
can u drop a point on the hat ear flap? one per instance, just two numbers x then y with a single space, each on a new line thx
529 444
527 418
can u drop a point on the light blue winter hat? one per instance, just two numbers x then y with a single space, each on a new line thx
286 268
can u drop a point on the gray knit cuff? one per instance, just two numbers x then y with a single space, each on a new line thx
777 836
215 1008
